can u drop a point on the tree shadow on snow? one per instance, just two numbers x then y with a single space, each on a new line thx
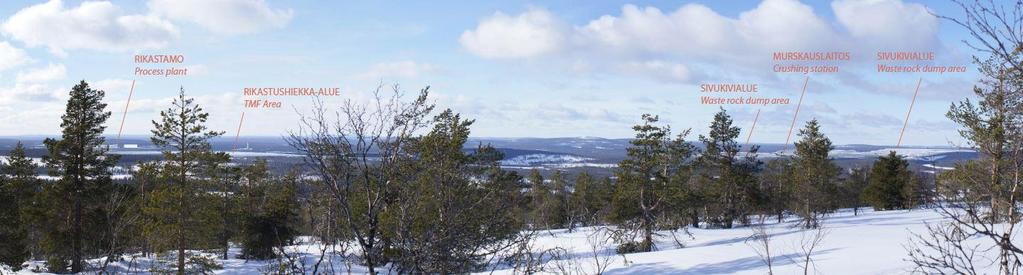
747 263
646 268
743 239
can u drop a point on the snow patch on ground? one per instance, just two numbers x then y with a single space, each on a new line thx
936 167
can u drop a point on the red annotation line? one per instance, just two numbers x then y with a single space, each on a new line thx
755 118
238 133
794 116
125 114
911 103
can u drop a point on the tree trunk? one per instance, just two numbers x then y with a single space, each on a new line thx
694 215
181 241
648 232
807 214
225 234
182 162
181 260
76 232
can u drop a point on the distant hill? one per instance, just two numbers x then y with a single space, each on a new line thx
569 153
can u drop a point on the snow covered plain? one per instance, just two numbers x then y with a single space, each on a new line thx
869 243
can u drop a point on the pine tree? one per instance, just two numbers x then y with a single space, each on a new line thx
183 135
270 220
146 179
919 191
776 184
853 187
590 199
22 172
80 159
560 197
727 180
456 208
20 190
13 234
888 180
990 125
648 184
219 175
539 200
814 175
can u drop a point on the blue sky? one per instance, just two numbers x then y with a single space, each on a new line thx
520 68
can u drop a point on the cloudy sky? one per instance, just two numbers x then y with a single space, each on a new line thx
520 68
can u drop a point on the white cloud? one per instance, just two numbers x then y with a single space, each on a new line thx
529 34
784 25
11 57
224 16
399 69
666 45
98 25
113 86
49 73
888 23
692 28
666 71
557 111
30 92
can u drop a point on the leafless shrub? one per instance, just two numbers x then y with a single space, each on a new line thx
760 241
600 255
810 241
944 249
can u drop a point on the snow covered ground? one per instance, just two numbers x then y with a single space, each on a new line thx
869 243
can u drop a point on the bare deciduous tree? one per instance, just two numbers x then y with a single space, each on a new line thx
356 156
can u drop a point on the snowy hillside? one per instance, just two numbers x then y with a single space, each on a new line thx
552 161
870 243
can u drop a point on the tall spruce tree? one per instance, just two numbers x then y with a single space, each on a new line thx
80 160
814 176
889 179
184 138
